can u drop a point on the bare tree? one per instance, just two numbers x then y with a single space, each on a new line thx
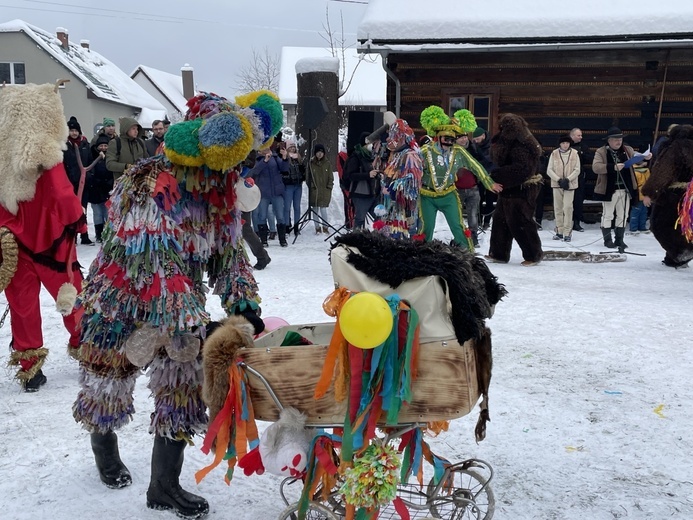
261 73
337 42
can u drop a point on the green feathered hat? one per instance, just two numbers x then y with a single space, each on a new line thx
436 122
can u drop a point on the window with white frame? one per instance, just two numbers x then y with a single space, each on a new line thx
12 73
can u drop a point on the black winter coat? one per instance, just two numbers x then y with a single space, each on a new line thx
72 166
357 176
99 183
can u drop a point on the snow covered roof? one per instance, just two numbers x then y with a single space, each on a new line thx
368 87
497 22
305 65
99 75
170 85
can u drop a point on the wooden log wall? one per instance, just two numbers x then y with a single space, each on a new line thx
557 90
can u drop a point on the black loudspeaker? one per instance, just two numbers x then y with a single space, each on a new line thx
361 121
314 111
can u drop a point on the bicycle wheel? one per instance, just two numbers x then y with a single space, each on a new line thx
315 512
468 500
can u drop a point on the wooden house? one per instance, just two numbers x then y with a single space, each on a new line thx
589 65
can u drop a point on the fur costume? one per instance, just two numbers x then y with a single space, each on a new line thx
670 175
515 153
474 290
39 207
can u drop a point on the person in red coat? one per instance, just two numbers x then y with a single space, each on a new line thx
40 212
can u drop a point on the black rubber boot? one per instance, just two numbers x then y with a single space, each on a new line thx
619 239
281 230
164 490
98 229
36 382
608 242
262 232
112 471
86 240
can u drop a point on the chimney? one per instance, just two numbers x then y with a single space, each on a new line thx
186 73
84 44
61 33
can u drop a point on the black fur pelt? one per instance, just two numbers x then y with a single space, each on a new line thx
672 170
474 290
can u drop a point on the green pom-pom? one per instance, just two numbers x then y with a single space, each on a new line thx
465 120
433 117
182 143
274 108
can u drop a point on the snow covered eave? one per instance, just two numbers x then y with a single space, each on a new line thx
370 47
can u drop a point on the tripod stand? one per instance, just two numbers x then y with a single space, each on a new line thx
311 213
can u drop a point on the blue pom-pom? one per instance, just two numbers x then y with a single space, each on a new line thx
223 129
265 122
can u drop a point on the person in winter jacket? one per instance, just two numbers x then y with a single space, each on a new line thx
157 139
293 178
361 179
76 158
267 173
616 185
125 150
40 217
108 129
99 185
564 171
320 181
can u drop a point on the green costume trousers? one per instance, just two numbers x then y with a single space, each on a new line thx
450 206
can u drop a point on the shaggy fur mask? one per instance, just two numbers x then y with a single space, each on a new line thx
32 139
512 128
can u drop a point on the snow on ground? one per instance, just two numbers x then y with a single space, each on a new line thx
590 399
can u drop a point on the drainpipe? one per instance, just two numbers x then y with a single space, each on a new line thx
393 77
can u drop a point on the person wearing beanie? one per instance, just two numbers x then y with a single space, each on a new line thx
107 128
320 179
616 185
99 185
77 157
564 170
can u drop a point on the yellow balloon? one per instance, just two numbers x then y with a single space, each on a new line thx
366 320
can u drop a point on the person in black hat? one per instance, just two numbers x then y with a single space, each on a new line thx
564 170
616 185
77 144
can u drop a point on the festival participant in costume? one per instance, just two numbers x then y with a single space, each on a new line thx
442 159
40 218
515 154
401 183
670 176
616 185
172 220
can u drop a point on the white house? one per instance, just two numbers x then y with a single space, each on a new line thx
171 90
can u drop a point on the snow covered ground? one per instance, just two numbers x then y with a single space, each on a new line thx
591 401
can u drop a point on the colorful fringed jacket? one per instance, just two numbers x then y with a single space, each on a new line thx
401 184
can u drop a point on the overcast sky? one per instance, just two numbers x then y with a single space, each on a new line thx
215 37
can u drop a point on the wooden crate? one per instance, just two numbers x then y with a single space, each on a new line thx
446 387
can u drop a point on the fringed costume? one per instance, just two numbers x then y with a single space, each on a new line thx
401 183
669 181
40 218
172 219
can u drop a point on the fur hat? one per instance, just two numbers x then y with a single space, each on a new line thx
565 138
614 132
31 139
479 132
73 124
107 121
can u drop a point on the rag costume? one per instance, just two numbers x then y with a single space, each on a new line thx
172 219
616 189
401 183
40 218
515 154
440 167
670 177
